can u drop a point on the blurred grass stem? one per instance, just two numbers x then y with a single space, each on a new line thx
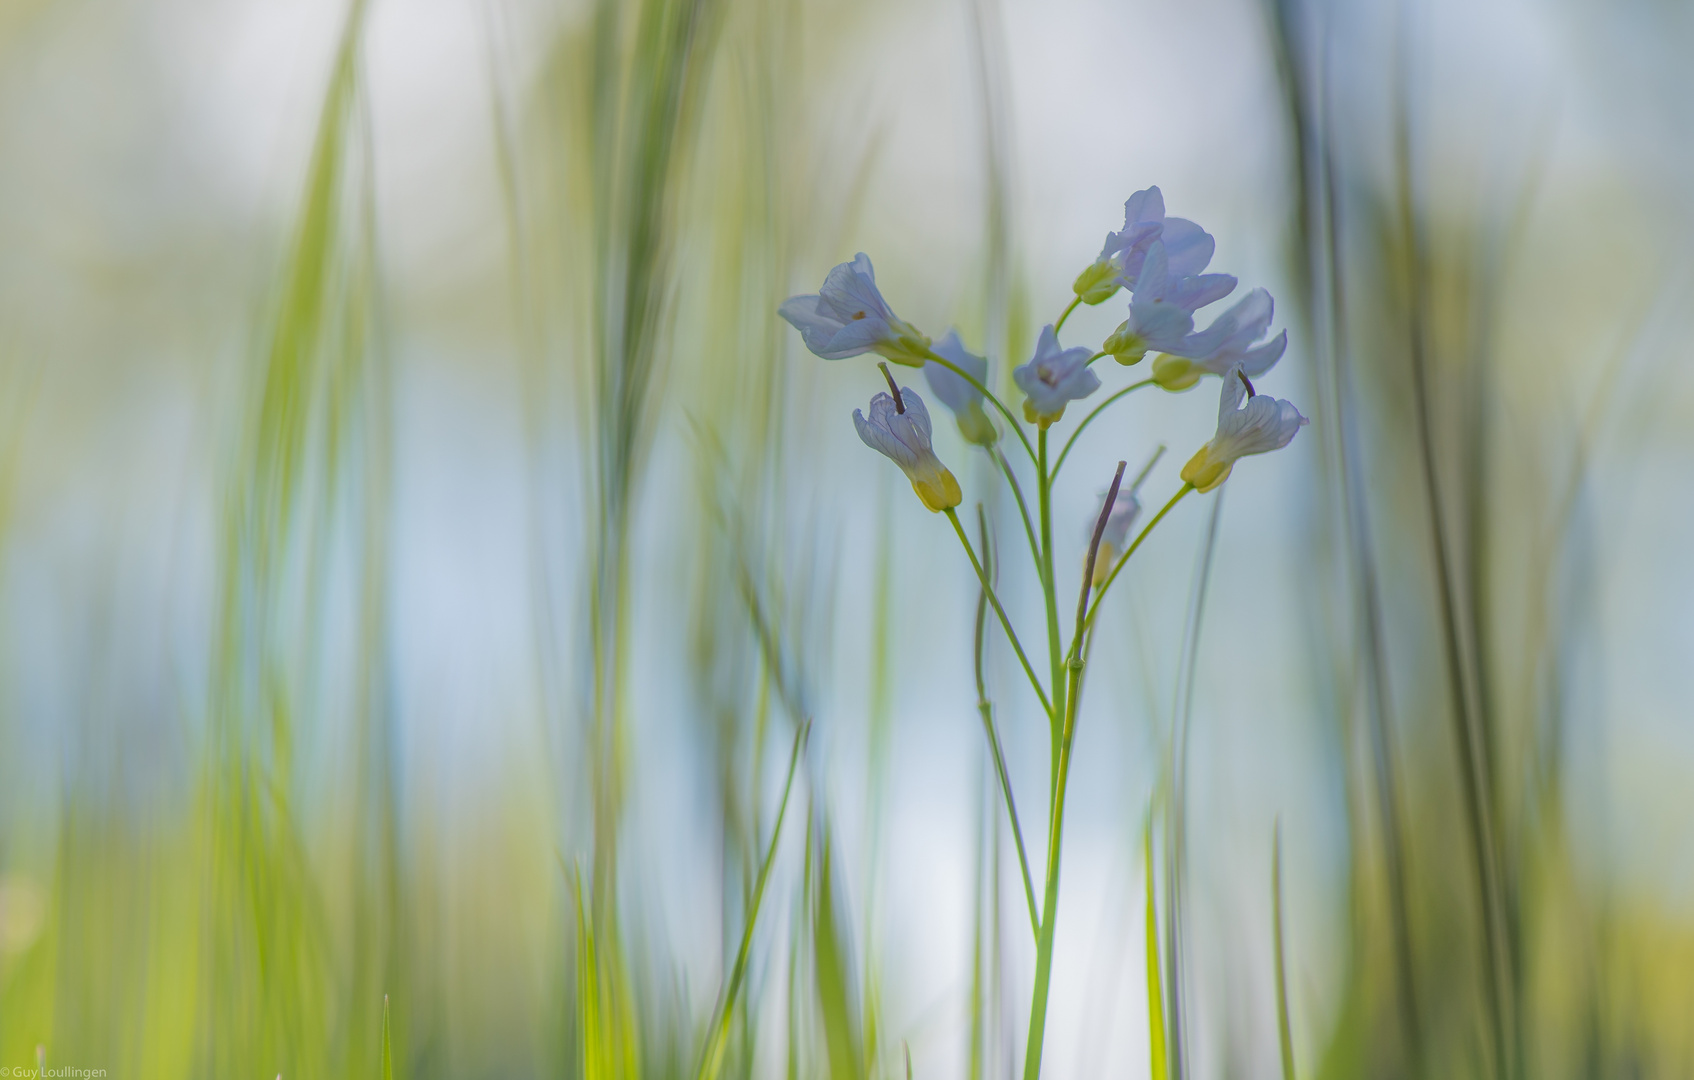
1157 1066
1469 726
1284 1034
711 1064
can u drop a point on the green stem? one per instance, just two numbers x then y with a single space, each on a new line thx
1098 409
1005 623
1050 597
1023 507
986 708
1186 488
1050 904
985 392
1060 325
1056 818
711 1063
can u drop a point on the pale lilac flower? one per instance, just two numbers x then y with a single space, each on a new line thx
900 430
1053 378
1188 249
1231 341
848 316
1161 308
1114 541
1265 424
1143 220
958 394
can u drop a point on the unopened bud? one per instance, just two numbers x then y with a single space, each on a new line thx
1125 345
1098 283
1176 373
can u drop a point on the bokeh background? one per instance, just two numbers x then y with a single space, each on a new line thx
422 542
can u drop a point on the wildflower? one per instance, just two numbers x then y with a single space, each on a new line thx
1114 541
1187 246
1143 221
1229 342
1162 306
848 316
899 429
958 394
1265 424
1054 378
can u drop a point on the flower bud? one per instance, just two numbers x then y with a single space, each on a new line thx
1205 470
1125 345
1176 373
957 393
1098 283
899 429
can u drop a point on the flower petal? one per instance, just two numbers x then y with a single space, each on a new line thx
1260 359
1188 247
954 392
850 290
882 440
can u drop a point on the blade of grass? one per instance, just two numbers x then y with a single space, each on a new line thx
1284 1034
1158 1066
844 1052
711 1064
1176 853
387 1051
1470 736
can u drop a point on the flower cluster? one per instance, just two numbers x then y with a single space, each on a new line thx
1161 261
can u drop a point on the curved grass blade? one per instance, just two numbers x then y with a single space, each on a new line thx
711 1063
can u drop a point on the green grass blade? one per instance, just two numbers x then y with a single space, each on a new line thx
1284 1034
1158 1068
711 1064
831 954
387 1051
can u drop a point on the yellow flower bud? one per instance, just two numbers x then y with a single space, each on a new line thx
1044 419
1176 373
1098 283
1103 563
1125 346
938 489
1206 471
